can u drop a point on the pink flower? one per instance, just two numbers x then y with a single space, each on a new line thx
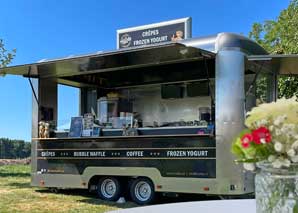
261 135
246 140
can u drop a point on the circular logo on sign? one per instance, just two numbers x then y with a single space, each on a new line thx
125 40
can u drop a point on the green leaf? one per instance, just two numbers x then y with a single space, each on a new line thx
241 152
5 56
279 37
295 209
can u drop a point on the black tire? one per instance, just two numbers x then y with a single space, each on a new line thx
109 189
142 191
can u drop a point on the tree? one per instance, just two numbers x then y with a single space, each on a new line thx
280 37
14 148
5 56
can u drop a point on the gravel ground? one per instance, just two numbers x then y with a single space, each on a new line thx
24 161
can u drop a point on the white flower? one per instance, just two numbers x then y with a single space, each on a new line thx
286 162
249 166
294 159
278 146
295 145
262 140
271 158
287 129
278 132
262 122
277 163
291 134
291 152
271 128
279 120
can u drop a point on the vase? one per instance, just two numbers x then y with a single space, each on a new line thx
276 190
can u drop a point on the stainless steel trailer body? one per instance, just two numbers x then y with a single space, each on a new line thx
225 60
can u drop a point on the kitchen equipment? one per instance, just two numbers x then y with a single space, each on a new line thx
205 114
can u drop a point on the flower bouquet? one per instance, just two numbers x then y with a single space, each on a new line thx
272 135
271 142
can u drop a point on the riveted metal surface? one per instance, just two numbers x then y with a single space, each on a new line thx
229 95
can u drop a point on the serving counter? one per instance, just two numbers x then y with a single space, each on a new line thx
150 131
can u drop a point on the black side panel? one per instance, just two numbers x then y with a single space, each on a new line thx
190 156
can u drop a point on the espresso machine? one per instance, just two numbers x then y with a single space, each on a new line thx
114 112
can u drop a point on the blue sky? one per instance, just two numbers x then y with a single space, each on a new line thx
50 29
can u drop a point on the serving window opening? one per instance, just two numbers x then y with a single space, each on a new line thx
68 106
175 99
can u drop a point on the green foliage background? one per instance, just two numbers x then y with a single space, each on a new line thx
11 149
280 37
5 56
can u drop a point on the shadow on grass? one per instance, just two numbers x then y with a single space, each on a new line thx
90 198
75 192
20 185
97 201
17 174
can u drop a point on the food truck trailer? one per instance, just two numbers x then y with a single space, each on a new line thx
153 118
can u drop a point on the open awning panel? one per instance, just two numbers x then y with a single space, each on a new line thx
281 64
110 61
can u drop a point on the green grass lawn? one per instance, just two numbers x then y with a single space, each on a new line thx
16 195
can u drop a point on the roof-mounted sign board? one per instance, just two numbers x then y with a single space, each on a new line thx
173 30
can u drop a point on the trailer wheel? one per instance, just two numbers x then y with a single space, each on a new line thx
142 191
108 188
